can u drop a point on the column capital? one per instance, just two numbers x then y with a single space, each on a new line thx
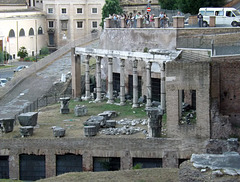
122 62
148 65
98 59
135 63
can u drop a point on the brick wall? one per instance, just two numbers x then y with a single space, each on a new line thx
168 149
181 75
225 96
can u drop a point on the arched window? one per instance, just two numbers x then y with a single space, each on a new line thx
31 31
22 32
40 31
11 33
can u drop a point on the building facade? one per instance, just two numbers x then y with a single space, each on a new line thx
70 20
21 26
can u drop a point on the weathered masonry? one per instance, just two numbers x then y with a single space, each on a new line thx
51 156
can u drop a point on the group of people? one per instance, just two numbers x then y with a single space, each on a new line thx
131 20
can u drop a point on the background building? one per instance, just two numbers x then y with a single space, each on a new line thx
21 26
70 20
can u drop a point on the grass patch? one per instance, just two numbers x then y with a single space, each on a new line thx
5 66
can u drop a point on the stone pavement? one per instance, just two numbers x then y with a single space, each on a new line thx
34 87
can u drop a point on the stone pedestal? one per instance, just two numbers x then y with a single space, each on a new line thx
154 121
90 131
80 110
108 22
140 23
7 124
157 22
58 132
212 21
64 105
178 21
123 23
111 123
28 119
232 145
26 131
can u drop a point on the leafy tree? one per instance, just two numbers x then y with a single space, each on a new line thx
22 53
1 57
110 7
190 6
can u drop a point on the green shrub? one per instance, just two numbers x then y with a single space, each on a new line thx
27 59
145 49
44 51
137 166
22 53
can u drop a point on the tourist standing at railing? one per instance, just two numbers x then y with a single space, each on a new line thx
147 19
165 20
151 20
115 20
161 16
131 20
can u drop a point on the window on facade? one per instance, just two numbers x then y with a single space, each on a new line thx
40 31
94 10
31 32
64 10
50 24
79 10
79 24
50 10
21 33
187 106
64 24
11 33
94 24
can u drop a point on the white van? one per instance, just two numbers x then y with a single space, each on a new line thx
224 16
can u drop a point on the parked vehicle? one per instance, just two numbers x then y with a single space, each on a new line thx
19 68
3 82
224 16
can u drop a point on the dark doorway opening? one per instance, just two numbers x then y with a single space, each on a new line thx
148 162
4 167
106 164
68 163
156 89
32 167
130 85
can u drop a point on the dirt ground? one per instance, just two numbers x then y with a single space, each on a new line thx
140 175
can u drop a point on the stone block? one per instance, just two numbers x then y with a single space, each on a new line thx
26 131
95 121
28 119
80 110
64 105
59 132
111 123
7 124
90 131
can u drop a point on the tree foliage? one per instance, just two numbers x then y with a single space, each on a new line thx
111 7
190 6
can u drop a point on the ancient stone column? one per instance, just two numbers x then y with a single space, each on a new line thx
87 78
135 84
154 121
98 78
110 81
76 74
149 85
163 89
180 97
122 82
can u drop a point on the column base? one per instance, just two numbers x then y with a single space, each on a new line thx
86 98
135 105
110 101
98 100
122 103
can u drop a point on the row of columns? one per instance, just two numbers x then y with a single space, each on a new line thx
122 81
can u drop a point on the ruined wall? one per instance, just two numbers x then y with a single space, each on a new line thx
127 39
169 150
225 97
202 37
183 75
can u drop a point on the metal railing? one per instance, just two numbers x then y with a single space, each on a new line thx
42 102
